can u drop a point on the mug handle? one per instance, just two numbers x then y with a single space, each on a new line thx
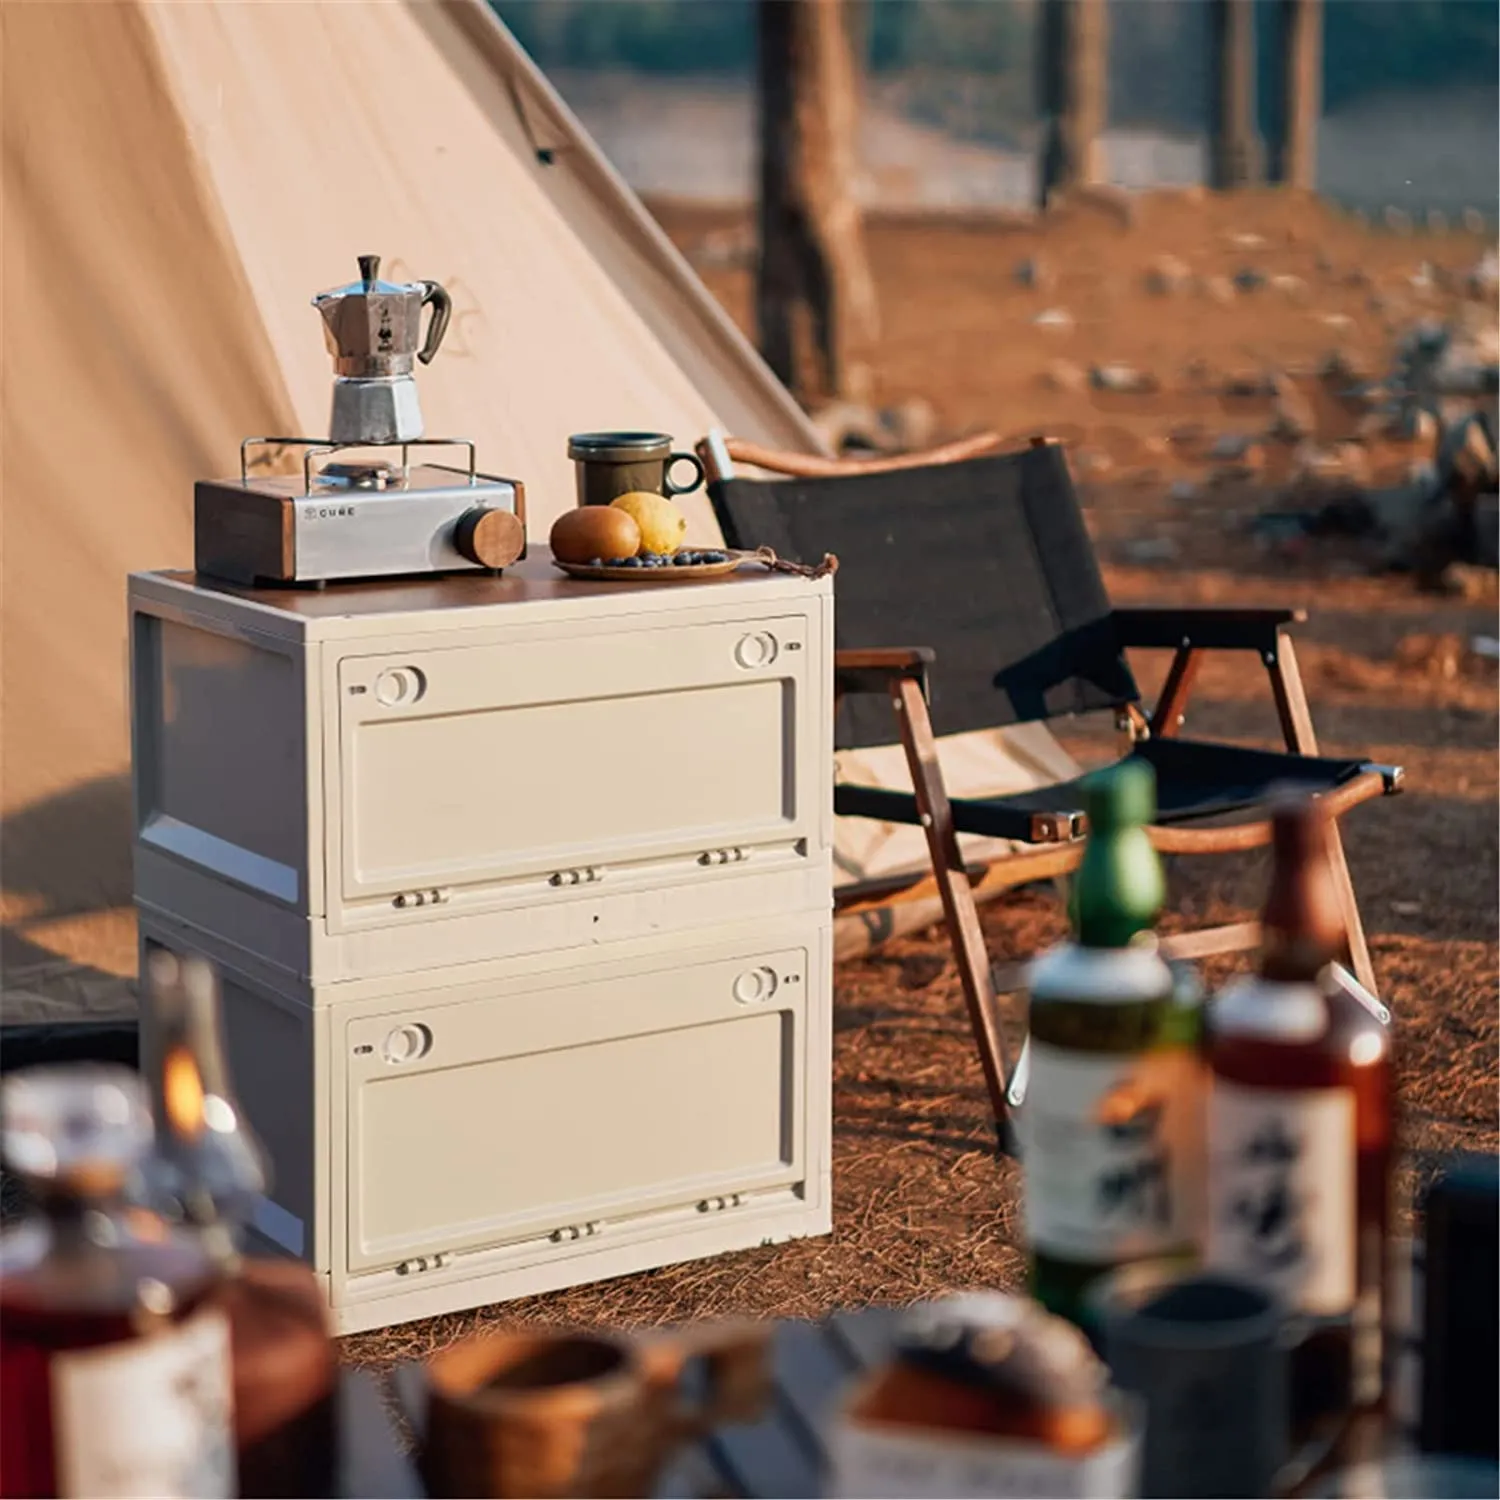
737 1369
682 458
1321 1445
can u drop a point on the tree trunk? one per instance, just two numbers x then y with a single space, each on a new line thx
1073 88
811 239
1236 147
1302 91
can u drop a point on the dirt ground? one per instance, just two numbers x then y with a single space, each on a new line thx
921 1204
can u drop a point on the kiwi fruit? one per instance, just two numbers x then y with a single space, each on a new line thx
579 536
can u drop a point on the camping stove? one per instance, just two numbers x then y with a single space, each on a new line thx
372 518
368 518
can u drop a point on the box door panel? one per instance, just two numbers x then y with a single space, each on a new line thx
489 763
514 1116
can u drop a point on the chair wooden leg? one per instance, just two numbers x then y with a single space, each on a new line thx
1297 729
1354 927
1166 718
959 909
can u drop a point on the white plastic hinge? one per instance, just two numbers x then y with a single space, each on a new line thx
405 900
571 1232
588 875
723 856
419 1263
718 1205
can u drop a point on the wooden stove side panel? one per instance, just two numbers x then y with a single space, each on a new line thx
521 514
241 535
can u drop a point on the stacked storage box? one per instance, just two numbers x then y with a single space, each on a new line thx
521 892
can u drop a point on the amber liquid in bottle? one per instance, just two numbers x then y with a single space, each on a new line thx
97 1291
57 1307
1301 1133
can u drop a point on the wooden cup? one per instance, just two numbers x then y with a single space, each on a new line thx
556 1414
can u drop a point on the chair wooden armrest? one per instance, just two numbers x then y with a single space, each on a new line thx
1189 632
877 669
1204 629
809 466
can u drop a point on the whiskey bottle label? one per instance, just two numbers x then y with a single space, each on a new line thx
153 1417
1112 1150
1281 1192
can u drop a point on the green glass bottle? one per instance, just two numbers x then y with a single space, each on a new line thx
1111 1130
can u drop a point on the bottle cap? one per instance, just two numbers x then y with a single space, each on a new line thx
1120 889
1120 796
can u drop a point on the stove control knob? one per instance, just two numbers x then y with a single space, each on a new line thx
490 538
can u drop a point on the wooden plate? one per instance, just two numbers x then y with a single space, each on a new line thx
668 574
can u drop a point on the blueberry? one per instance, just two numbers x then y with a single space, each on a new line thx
596 562
684 559
628 562
715 557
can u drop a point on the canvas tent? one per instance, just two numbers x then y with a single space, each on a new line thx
179 180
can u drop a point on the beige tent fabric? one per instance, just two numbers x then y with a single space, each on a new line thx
179 180
133 360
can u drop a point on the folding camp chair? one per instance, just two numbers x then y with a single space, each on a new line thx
969 596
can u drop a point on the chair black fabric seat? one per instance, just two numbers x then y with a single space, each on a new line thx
1194 779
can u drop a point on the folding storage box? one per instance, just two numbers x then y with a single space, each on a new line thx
521 889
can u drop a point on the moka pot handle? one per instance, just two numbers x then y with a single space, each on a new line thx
437 324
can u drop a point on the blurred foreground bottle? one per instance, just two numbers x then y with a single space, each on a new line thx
1111 1129
210 1168
114 1351
1301 1111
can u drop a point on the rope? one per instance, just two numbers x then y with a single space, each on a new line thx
767 555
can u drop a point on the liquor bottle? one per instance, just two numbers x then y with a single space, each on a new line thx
209 1167
1301 1108
114 1354
1110 1131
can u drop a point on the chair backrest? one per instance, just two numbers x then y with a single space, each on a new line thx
986 561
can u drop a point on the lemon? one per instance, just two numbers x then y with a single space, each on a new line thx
662 524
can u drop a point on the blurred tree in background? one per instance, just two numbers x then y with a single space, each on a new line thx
813 268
